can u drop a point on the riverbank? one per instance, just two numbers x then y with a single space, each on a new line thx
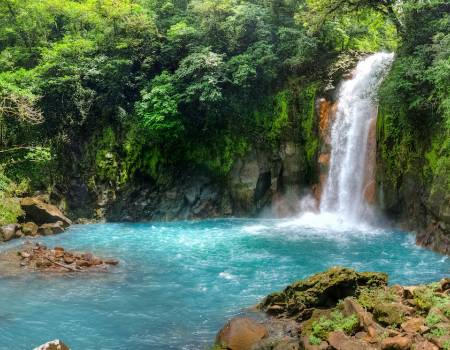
37 218
342 309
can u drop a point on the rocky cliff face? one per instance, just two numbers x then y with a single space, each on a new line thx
408 192
269 178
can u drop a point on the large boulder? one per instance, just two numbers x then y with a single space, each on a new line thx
42 213
240 333
320 290
8 232
53 345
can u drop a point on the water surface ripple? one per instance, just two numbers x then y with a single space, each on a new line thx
179 282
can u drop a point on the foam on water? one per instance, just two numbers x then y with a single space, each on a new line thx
178 283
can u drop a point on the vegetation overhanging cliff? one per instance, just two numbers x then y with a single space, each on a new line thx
161 109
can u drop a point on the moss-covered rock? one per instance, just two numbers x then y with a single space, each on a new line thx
321 290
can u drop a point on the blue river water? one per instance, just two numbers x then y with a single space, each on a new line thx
178 283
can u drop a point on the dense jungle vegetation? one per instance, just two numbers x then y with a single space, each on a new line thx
111 90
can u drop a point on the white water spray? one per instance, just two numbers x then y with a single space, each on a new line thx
343 191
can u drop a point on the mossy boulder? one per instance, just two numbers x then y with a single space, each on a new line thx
324 289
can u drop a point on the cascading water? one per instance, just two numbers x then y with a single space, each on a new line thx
343 192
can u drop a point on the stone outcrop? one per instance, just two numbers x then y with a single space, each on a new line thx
42 213
342 309
40 218
191 196
321 290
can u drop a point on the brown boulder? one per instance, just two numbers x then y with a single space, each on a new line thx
414 325
351 306
52 228
340 341
240 333
53 345
424 345
320 290
42 213
396 343
29 229
391 313
8 232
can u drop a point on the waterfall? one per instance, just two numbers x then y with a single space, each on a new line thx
343 193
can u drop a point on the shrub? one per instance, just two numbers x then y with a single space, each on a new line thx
336 322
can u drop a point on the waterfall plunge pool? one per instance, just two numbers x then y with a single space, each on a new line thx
178 283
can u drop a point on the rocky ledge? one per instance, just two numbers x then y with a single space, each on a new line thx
342 309
40 218
37 257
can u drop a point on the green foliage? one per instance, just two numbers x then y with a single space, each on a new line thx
413 131
446 345
158 110
335 322
432 319
438 332
426 297
10 208
132 87
369 298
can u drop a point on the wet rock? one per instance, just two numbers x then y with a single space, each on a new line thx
321 290
53 345
111 261
29 229
396 343
240 334
8 232
50 229
39 258
42 213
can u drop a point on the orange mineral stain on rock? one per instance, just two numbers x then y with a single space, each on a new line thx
371 154
327 111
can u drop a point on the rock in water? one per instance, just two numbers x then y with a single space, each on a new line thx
240 333
8 232
29 229
42 213
53 345
321 290
50 229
